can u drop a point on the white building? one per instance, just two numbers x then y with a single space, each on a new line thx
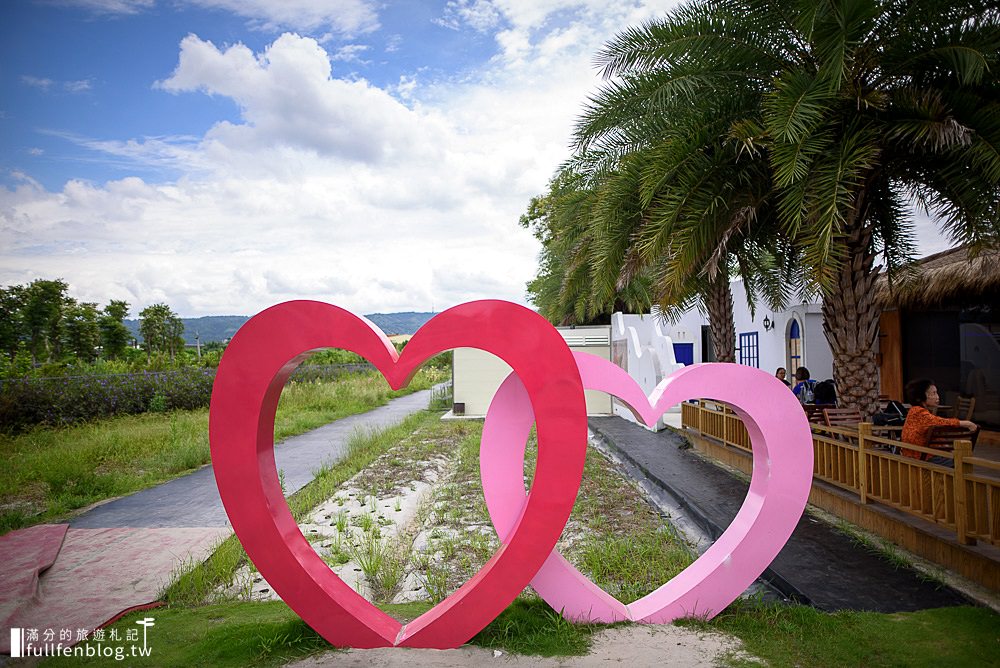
477 374
650 348
789 338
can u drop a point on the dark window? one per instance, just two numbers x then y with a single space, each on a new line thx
748 349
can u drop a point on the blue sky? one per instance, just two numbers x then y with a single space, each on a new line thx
225 155
77 72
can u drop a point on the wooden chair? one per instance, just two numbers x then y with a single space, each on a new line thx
964 407
814 413
842 417
943 438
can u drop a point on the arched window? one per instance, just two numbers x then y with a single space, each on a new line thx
793 346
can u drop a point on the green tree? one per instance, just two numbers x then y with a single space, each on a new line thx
11 319
42 315
816 121
114 334
81 331
563 288
162 330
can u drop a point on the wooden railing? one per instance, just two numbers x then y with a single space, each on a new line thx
863 461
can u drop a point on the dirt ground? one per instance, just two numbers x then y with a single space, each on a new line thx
629 645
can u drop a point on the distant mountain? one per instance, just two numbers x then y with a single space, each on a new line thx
206 328
400 323
222 327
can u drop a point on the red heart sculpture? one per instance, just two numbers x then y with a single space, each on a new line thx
249 380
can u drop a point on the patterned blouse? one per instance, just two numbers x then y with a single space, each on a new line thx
917 428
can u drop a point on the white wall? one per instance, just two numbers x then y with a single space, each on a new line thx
772 351
640 346
477 374
819 358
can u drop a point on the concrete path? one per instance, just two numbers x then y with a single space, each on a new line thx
819 565
193 500
118 556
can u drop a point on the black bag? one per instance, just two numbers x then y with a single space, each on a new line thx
894 415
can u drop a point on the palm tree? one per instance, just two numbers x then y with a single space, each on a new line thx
820 122
697 211
564 289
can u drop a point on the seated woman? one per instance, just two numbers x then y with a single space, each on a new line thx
922 395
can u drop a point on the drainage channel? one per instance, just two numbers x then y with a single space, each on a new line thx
684 522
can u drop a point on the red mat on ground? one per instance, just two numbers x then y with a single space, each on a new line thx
100 573
23 555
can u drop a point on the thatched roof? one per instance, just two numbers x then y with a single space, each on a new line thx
950 278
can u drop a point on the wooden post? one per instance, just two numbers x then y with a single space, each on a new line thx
725 425
864 433
962 450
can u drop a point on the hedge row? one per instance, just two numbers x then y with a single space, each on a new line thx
61 400
64 400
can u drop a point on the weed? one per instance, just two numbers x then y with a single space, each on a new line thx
434 578
441 398
364 522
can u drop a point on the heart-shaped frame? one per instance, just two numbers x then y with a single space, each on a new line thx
779 487
251 375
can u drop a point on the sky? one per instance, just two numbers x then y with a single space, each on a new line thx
222 156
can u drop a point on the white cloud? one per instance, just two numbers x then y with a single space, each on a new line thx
350 53
345 17
325 187
481 15
349 17
288 98
79 86
37 82
45 84
113 6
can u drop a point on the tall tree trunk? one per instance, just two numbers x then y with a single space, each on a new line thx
850 322
719 304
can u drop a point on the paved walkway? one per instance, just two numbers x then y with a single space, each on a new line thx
819 565
118 556
193 500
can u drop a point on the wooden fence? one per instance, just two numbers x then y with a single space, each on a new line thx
865 462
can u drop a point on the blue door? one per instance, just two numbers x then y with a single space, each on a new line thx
684 353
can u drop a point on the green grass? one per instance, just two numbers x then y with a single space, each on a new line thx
48 473
530 626
632 565
198 581
228 634
803 636
270 634
636 555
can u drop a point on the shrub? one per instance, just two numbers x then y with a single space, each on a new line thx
61 400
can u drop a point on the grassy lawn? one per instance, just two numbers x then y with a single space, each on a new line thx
613 537
48 473
803 636
270 634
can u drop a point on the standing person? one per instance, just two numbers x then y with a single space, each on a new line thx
805 387
922 395
780 375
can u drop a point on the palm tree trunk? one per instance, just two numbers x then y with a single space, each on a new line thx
850 322
719 304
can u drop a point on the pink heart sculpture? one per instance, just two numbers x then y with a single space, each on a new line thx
779 487
249 380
